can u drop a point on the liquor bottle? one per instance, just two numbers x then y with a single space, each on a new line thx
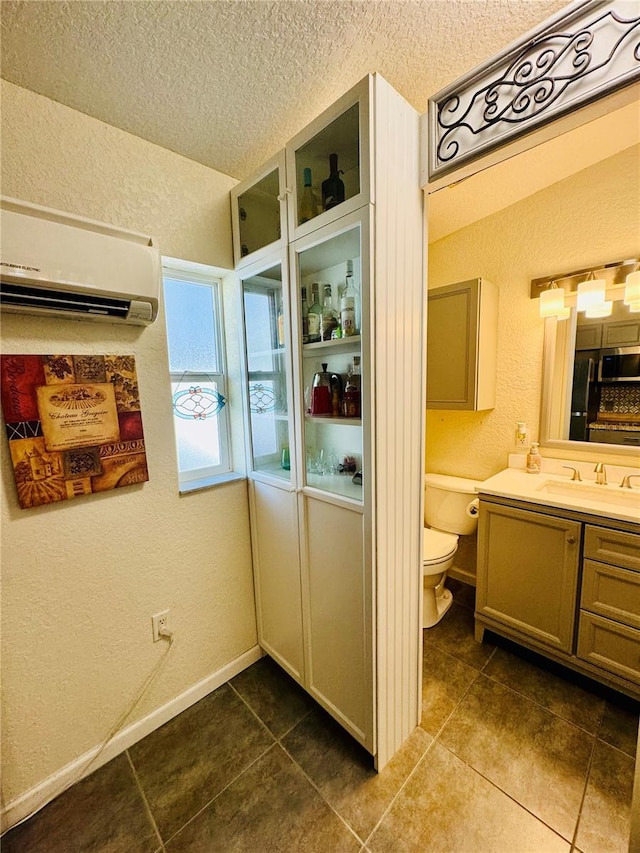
348 305
309 206
333 187
314 317
304 315
329 316
351 407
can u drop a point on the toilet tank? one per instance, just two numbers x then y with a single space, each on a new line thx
445 503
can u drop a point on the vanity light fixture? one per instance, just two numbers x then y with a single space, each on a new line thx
591 290
632 288
591 295
603 309
552 302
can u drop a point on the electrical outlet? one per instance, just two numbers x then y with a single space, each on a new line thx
159 622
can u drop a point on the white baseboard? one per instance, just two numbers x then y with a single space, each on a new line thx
42 793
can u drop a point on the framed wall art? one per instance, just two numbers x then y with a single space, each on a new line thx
73 423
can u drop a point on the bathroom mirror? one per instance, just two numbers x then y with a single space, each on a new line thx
519 176
590 394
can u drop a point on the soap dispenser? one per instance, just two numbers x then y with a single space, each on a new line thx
534 459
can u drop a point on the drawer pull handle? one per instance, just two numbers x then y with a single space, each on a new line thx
571 540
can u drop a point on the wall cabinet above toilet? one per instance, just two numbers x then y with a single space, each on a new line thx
462 339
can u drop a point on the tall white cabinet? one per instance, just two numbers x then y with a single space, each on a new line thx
337 557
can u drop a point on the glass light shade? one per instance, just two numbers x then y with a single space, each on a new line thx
552 302
604 309
591 293
634 307
632 288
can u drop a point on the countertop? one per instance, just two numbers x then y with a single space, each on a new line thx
553 487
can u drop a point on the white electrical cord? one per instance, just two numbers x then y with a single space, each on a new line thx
166 634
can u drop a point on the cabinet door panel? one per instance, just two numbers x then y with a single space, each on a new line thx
339 611
276 560
612 546
613 647
613 592
527 572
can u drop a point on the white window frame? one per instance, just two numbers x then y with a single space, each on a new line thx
205 475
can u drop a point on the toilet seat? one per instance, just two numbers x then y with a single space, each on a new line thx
437 546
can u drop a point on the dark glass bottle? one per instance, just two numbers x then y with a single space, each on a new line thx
333 187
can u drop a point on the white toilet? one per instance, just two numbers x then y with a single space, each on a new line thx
448 514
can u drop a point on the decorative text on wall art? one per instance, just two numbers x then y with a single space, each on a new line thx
73 423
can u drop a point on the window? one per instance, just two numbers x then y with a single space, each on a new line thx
198 374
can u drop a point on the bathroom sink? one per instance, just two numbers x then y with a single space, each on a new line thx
589 492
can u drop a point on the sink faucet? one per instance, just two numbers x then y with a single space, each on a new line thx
626 484
576 473
601 474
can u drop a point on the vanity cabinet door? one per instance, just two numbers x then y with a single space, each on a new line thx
528 573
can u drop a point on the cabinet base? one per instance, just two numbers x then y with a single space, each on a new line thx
570 661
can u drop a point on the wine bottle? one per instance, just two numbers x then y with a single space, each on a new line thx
309 206
329 316
333 187
348 305
304 315
314 317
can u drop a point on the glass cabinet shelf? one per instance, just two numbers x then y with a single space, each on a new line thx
345 344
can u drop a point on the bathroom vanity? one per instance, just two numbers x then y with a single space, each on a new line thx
559 570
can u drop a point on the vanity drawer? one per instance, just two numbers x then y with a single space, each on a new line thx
612 592
612 546
610 646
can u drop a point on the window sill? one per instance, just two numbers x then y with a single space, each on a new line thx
209 482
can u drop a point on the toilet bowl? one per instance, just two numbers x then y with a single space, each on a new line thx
449 513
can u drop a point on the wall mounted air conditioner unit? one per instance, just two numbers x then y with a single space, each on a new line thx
58 265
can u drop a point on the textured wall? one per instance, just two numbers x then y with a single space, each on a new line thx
55 156
587 218
81 579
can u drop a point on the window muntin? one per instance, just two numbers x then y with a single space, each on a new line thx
198 373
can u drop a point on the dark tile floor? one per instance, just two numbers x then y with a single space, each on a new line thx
512 755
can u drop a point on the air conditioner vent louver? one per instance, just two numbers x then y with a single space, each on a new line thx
40 297
56 264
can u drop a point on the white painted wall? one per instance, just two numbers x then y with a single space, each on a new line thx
590 217
81 579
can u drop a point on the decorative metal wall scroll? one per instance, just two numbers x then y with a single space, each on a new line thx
572 59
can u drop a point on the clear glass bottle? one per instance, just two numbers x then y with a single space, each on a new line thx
304 315
351 405
333 187
309 204
329 316
348 305
314 316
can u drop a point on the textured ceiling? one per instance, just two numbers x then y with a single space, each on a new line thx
228 82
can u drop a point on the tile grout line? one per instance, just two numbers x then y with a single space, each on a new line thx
303 772
235 778
586 781
221 791
506 794
278 742
399 791
145 801
490 781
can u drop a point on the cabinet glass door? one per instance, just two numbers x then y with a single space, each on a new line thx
267 358
327 164
330 312
258 212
